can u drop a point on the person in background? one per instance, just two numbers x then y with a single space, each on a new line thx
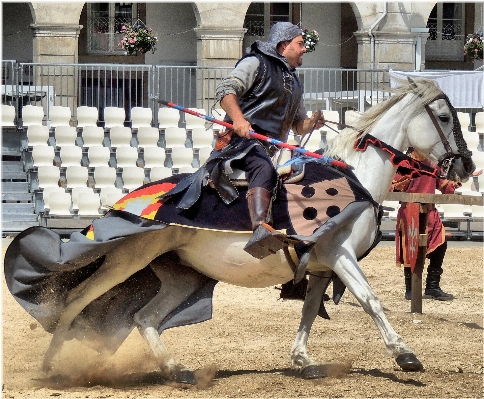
436 241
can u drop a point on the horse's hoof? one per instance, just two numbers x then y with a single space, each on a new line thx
46 367
409 362
312 372
185 377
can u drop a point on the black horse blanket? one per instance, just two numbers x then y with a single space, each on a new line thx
40 268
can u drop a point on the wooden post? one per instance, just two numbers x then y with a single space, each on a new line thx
416 301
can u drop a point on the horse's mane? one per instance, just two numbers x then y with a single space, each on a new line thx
425 91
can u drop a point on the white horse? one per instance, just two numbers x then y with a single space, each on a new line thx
402 121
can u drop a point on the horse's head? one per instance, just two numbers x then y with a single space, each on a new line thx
435 132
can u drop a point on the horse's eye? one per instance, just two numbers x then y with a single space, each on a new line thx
444 118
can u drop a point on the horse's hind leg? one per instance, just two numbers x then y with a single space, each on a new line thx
178 282
300 359
129 257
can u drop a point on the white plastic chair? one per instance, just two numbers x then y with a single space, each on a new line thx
332 116
126 156
203 154
76 176
464 119
76 193
59 116
45 195
159 173
86 116
313 143
194 122
168 117
60 204
111 199
120 136
480 121
104 176
453 211
42 155
65 136
37 135
394 205
471 139
140 117
175 137
328 135
133 177
477 211
468 208
148 136
351 117
219 114
187 170
48 175
109 196
480 182
89 204
92 135
98 156
202 137
114 116
8 116
32 115
182 157
154 157
70 156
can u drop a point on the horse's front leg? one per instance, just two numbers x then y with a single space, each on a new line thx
300 359
350 273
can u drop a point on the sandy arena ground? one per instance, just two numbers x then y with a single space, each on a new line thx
244 350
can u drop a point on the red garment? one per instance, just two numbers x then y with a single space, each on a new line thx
436 231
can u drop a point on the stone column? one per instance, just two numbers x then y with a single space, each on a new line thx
215 48
220 36
56 44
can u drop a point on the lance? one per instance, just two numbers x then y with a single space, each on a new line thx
267 139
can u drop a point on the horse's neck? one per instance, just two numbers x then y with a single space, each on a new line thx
373 166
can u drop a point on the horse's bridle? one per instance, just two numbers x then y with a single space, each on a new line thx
446 160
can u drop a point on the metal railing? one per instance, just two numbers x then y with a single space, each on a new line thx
127 86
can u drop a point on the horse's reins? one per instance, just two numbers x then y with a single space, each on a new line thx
445 161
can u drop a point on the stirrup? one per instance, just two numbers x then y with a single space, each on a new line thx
265 241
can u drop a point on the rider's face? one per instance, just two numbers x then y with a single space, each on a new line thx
293 51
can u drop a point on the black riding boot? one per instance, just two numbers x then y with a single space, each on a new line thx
263 242
434 272
408 283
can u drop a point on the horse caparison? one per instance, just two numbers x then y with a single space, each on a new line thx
183 259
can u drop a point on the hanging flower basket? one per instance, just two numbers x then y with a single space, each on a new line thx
137 38
473 47
311 38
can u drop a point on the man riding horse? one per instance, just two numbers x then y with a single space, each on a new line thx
264 94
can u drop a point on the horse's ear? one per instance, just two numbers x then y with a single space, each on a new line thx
412 82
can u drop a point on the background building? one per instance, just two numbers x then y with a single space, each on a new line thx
354 34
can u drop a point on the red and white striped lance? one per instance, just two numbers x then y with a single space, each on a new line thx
259 136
